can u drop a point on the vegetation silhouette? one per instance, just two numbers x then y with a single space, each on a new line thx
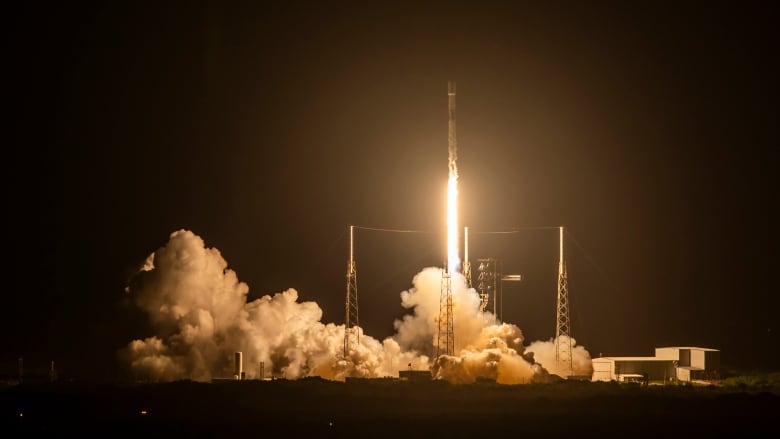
389 407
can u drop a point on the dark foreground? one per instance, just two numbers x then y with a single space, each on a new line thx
385 408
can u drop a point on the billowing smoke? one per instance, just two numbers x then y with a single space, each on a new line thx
200 314
485 348
544 353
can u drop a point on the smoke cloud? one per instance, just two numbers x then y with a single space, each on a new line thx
199 311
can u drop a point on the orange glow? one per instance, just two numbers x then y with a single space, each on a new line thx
453 259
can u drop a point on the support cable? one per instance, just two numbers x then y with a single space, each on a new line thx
379 229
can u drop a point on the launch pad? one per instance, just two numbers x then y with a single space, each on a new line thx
489 274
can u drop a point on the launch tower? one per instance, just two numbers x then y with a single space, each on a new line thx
563 356
351 321
466 263
487 282
445 342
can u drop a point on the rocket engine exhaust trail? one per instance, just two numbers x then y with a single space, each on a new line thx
453 259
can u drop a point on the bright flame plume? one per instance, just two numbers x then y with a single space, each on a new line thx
453 260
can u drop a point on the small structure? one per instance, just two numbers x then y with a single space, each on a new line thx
628 369
414 375
668 364
692 363
238 366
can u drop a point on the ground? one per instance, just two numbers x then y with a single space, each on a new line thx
386 408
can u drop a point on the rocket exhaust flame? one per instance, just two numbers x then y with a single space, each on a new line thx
453 258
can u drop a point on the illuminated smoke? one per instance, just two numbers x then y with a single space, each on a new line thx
544 353
200 314
484 347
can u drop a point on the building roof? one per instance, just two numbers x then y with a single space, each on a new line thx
631 359
688 347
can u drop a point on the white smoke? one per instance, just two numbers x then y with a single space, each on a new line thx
199 311
544 352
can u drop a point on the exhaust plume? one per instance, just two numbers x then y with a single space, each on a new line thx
453 258
199 311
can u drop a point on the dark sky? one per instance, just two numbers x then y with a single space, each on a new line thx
644 128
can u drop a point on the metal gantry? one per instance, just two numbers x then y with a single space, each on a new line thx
487 282
352 328
466 263
351 318
445 337
563 354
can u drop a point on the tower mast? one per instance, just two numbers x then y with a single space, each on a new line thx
563 355
351 321
466 263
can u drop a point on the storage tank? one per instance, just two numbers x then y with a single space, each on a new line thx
238 368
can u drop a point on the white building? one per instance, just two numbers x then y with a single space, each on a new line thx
669 363
692 363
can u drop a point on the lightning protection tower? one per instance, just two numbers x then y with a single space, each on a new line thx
445 340
351 321
563 355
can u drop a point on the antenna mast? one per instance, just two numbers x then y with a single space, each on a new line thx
563 357
351 321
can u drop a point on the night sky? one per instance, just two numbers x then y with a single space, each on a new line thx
644 128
